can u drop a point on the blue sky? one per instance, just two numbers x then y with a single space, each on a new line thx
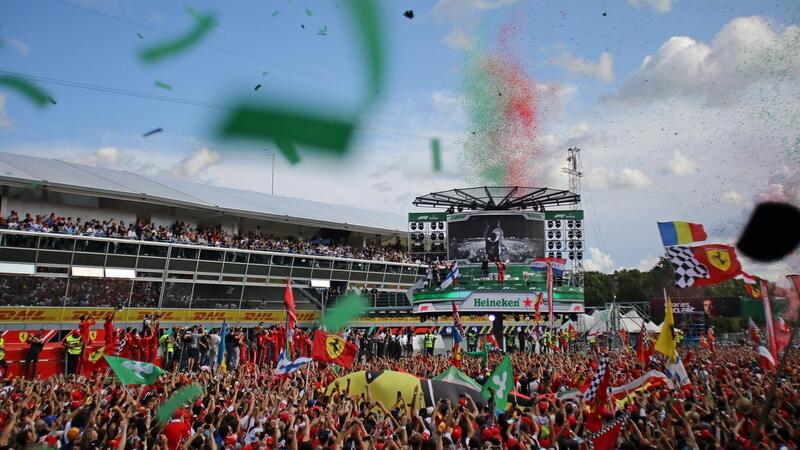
618 110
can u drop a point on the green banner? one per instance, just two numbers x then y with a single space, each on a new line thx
576 214
427 217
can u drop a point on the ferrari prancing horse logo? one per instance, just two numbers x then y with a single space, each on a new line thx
720 259
93 335
23 336
334 345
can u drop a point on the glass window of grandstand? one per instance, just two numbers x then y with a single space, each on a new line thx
26 290
341 265
98 292
56 243
262 297
177 295
19 240
239 257
159 251
216 296
183 252
260 258
146 294
212 255
359 266
124 248
90 246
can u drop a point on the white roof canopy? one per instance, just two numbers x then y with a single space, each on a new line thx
64 176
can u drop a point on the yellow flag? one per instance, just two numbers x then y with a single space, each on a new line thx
96 355
666 339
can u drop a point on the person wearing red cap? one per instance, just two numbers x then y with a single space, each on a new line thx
176 430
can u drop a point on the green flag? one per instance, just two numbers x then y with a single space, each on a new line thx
180 397
133 372
502 381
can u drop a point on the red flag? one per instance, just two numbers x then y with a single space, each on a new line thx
288 302
644 348
765 358
771 335
782 334
607 438
537 317
703 342
456 359
720 261
573 334
751 286
332 348
753 329
712 338
623 335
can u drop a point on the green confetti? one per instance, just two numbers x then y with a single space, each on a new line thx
436 153
203 24
176 400
365 14
162 85
140 35
34 93
264 73
309 13
312 128
287 128
346 309
275 13
323 31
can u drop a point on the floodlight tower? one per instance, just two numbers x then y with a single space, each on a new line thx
574 169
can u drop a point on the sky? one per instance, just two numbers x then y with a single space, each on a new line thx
682 110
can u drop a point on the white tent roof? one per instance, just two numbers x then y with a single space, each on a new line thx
652 327
64 176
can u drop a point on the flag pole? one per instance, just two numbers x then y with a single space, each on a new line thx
773 345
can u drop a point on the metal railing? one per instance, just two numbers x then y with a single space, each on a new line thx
174 275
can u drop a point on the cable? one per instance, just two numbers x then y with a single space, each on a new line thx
221 49
181 101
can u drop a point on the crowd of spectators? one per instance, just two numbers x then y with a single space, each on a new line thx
182 233
732 403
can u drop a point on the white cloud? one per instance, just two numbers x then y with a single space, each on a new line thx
661 6
745 52
448 102
626 178
5 122
603 70
20 46
113 158
598 261
681 164
732 197
455 9
647 263
459 39
193 165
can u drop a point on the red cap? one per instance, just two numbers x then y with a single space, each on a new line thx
230 439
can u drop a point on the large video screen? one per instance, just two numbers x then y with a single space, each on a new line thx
507 236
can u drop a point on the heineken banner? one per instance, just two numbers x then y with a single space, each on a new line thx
521 302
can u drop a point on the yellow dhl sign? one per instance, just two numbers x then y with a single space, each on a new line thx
73 315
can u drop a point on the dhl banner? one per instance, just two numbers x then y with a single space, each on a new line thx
36 315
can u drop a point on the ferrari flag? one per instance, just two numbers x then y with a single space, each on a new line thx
703 265
332 348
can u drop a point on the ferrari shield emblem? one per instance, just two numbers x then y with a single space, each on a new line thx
23 336
334 345
720 259
93 335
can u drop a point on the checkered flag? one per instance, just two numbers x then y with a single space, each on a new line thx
606 437
592 393
687 267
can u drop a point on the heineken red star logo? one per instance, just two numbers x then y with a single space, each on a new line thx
527 302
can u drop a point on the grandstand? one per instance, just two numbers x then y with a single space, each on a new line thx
195 253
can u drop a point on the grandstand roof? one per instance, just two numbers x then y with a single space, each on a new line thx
64 176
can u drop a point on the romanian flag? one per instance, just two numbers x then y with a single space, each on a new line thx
678 233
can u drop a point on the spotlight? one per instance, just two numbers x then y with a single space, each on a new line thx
558 235
473 205
550 245
571 255
578 234
491 317
558 245
460 208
